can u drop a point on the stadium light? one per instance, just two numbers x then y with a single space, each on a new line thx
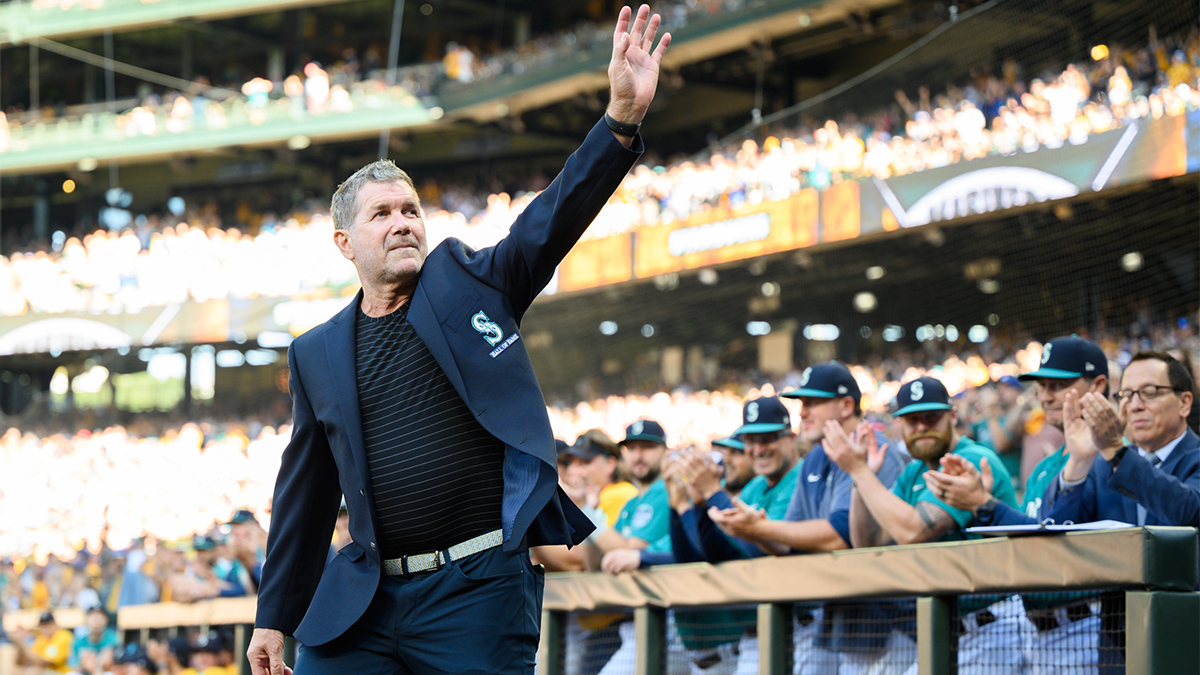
978 334
875 272
608 327
647 330
951 333
1099 52
68 186
892 333
865 302
821 332
993 319
770 289
758 328
230 358
1132 261
989 286
60 382
708 276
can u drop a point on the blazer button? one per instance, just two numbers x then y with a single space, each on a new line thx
372 546
362 492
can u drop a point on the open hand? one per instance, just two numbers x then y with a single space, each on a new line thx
739 521
959 484
633 70
266 653
621 560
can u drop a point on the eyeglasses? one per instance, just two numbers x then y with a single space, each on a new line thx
1147 393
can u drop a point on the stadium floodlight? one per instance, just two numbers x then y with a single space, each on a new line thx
978 334
647 330
821 332
865 302
274 339
708 276
993 319
770 289
230 358
892 333
758 328
989 286
608 327
261 357
951 333
875 272
1132 261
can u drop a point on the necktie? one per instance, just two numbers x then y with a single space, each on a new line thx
1141 510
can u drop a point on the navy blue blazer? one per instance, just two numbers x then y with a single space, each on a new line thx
1169 493
466 308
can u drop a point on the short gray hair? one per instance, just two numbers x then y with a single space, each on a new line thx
345 200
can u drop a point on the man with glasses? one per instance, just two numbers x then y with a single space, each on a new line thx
911 514
1067 624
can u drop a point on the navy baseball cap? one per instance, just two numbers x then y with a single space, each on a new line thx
1010 381
645 430
827 380
1067 358
921 394
764 415
730 442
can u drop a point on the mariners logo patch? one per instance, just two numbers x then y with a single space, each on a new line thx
752 412
636 428
1046 353
804 377
917 392
489 329
642 516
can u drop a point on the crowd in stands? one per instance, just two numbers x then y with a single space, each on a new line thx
169 258
86 505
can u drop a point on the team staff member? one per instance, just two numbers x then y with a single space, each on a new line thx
1067 629
419 404
910 514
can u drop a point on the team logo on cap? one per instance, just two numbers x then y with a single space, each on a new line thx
917 392
1046 353
489 329
804 377
1088 366
636 428
752 412
842 389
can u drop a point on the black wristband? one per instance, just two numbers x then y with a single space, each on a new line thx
622 128
987 511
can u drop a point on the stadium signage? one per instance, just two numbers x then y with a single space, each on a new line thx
711 236
982 191
62 335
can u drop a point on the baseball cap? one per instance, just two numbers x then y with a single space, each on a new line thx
1010 381
242 516
181 649
730 442
46 617
1067 358
921 394
202 543
764 415
210 642
645 430
827 380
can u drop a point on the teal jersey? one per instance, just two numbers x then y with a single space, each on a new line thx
1039 481
648 517
910 486
773 500
84 643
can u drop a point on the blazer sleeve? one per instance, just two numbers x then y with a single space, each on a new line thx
716 545
303 514
1077 503
523 262
1172 499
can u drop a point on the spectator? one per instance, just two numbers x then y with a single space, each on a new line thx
45 651
592 464
98 639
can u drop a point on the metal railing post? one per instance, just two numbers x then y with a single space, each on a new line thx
650 630
552 652
775 638
934 653
1160 633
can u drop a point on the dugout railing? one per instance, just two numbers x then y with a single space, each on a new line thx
1156 568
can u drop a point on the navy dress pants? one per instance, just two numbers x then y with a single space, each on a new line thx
478 616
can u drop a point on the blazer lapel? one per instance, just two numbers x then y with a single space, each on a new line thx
339 349
429 329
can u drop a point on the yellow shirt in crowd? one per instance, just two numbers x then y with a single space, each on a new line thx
54 649
613 498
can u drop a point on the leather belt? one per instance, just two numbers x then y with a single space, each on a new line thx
430 562
1055 617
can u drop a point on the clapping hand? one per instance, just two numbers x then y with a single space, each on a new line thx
738 521
853 453
959 484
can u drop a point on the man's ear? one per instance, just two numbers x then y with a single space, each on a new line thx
341 239
1099 384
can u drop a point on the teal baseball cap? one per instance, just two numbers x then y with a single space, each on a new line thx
763 416
1067 358
920 395
730 442
826 380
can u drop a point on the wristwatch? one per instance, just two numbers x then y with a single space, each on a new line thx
623 128
1116 460
985 513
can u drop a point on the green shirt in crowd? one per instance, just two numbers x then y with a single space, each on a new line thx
648 517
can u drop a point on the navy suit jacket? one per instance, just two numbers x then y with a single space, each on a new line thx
326 458
1170 493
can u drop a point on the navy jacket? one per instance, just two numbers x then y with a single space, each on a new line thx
484 358
1169 493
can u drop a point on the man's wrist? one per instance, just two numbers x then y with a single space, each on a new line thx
986 510
625 113
1114 453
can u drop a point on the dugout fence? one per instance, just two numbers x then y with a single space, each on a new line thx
1152 571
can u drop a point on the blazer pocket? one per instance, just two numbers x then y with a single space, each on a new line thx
460 317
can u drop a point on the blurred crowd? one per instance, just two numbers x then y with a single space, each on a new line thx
86 504
191 254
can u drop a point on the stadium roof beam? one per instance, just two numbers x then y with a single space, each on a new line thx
19 21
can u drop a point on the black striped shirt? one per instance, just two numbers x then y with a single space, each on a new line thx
436 474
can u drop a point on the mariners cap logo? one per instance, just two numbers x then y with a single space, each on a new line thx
636 428
804 377
1046 353
917 392
752 412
